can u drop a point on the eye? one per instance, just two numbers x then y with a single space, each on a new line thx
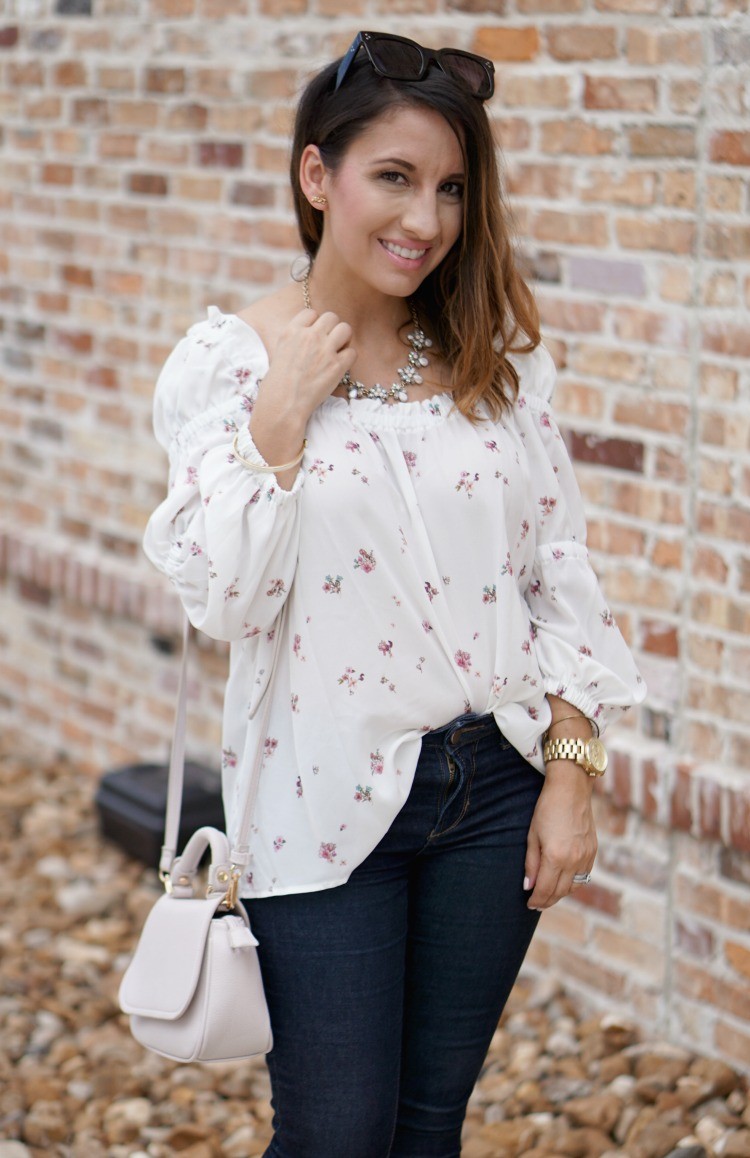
453 189
392 176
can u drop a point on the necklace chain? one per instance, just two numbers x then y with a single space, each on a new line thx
408 375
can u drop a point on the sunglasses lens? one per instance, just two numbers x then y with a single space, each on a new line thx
467 71
397 59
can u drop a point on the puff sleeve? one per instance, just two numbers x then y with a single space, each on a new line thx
582 655
226 536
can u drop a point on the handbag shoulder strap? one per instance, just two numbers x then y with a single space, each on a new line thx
240 851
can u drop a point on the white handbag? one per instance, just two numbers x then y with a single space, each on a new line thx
193 989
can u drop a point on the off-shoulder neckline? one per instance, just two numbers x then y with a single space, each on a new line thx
437 405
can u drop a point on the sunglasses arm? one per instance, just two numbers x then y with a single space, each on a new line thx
352 51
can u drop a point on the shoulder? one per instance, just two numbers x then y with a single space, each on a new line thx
220 358
267 316
537 374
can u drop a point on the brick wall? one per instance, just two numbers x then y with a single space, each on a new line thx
143 149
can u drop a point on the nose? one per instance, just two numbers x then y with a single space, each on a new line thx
420 217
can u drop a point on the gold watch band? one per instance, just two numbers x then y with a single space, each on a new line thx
590 754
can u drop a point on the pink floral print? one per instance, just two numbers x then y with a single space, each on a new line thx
327 851
350 679
463 660
365 561
466 483
332 586
363 795
276 589
376 762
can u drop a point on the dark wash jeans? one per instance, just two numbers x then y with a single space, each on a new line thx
385 992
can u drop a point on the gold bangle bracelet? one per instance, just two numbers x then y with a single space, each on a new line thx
262 466
594 725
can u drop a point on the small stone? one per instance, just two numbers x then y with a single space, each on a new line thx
735 1144
14 1150
238 1143
45 1125
721 1079
687 1149
708 1130
124 1120
601 1111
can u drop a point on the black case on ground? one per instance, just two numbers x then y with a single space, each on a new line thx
132 803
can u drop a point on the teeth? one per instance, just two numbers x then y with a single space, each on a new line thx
401 252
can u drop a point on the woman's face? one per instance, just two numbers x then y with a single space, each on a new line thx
395 203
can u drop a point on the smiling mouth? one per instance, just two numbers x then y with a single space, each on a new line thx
401 251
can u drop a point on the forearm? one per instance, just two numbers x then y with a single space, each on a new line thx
278 432
568 723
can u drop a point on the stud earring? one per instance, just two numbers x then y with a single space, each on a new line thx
319 200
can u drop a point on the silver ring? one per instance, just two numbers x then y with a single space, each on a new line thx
581 878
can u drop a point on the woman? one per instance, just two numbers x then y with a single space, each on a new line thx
371 501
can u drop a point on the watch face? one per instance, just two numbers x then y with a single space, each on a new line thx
596 755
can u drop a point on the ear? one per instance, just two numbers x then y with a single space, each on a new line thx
312 172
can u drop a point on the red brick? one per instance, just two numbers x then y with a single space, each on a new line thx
550 92
681 813
148 184
738 956
668 235
654 328
577 137
53 174
657 45
28 74
9 36
582 967
165 80
570 228
252 193
725 338
221 154
739 818
662 141
617 453
91 111
581 42
189 117
732 1042
636 94
571 316
507 43
731 148
70 74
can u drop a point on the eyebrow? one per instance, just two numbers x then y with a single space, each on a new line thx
408 165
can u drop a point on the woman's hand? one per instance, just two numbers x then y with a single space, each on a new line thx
562 836
311 356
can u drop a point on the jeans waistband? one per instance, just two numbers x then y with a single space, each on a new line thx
468 726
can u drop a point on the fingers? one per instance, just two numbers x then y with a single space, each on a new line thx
553 883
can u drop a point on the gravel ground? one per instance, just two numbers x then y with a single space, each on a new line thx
74 1083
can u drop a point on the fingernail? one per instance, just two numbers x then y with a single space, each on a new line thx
526 883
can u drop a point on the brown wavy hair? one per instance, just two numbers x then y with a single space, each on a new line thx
479 307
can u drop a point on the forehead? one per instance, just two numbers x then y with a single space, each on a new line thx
420 135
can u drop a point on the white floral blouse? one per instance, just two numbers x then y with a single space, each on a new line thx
427 567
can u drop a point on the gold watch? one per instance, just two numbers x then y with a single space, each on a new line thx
590 754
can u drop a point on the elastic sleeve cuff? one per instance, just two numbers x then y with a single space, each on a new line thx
247 448
566 689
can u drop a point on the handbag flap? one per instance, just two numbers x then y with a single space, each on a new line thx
161 979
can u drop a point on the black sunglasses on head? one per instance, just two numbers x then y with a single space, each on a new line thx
397 58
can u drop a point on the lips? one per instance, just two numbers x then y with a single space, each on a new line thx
402 251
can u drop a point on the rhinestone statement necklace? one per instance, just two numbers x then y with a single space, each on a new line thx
408 375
